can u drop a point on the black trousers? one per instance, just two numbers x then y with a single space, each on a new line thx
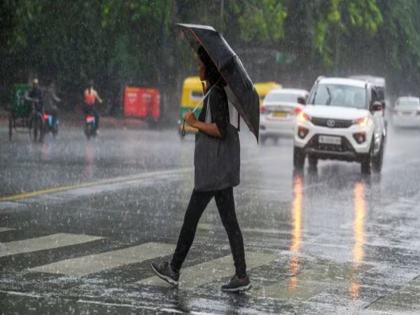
226 206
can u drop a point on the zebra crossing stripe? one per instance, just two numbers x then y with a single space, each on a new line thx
44 243
5 229
213 270
85 265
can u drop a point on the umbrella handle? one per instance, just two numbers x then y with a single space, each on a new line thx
183 128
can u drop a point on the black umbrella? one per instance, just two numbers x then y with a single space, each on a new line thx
240 89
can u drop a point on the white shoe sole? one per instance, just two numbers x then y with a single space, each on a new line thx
164 278
238 289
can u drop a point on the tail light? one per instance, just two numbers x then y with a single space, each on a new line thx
297 110
263 110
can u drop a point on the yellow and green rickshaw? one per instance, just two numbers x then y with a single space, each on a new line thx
192 94
264 87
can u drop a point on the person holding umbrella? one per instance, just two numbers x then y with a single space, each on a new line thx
216 161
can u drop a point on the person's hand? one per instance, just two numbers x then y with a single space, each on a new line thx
189 117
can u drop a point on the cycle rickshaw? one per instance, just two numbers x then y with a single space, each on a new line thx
22 116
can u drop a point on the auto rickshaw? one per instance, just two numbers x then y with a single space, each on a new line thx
264 87
192 95
20 111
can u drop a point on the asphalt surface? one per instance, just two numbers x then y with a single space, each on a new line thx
80 222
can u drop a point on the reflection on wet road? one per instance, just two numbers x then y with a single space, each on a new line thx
359 237
80 222
296 232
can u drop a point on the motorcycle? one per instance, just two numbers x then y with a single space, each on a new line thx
90 126
50 124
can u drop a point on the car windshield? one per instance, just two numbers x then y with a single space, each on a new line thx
409 103
281 97
339 95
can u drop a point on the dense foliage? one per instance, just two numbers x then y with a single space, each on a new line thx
135 42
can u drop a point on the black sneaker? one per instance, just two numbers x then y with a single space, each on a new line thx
237 284
164 271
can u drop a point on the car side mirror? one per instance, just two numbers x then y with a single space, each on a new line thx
376 107
301 100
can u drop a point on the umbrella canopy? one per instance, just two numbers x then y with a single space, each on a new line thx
240 89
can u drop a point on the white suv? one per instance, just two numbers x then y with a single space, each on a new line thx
342 121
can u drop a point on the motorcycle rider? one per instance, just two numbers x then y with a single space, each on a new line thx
50 101
34 95
90 96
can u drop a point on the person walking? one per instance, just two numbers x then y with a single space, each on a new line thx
213 178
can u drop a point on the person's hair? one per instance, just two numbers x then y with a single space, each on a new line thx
211 73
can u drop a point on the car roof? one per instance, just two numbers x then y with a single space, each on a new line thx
343 81
288 91
376 81
407 98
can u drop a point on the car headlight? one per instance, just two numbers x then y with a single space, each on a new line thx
303 117
362 121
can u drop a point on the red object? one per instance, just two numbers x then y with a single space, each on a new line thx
89 118
90 97
46 116
263 109
141 102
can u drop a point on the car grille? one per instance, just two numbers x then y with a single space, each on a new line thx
331 123
345 145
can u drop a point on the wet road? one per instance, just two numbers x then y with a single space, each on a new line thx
81 221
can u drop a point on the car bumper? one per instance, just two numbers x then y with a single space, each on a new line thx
349 149
277 127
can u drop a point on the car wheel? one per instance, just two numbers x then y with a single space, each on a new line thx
377 160
298 158
366 162
365 165
313 162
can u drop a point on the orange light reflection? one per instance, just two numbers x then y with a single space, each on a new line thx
90 156
296 233
359 236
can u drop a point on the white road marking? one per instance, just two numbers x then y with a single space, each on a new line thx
44 243
213 270
85 265
211 227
